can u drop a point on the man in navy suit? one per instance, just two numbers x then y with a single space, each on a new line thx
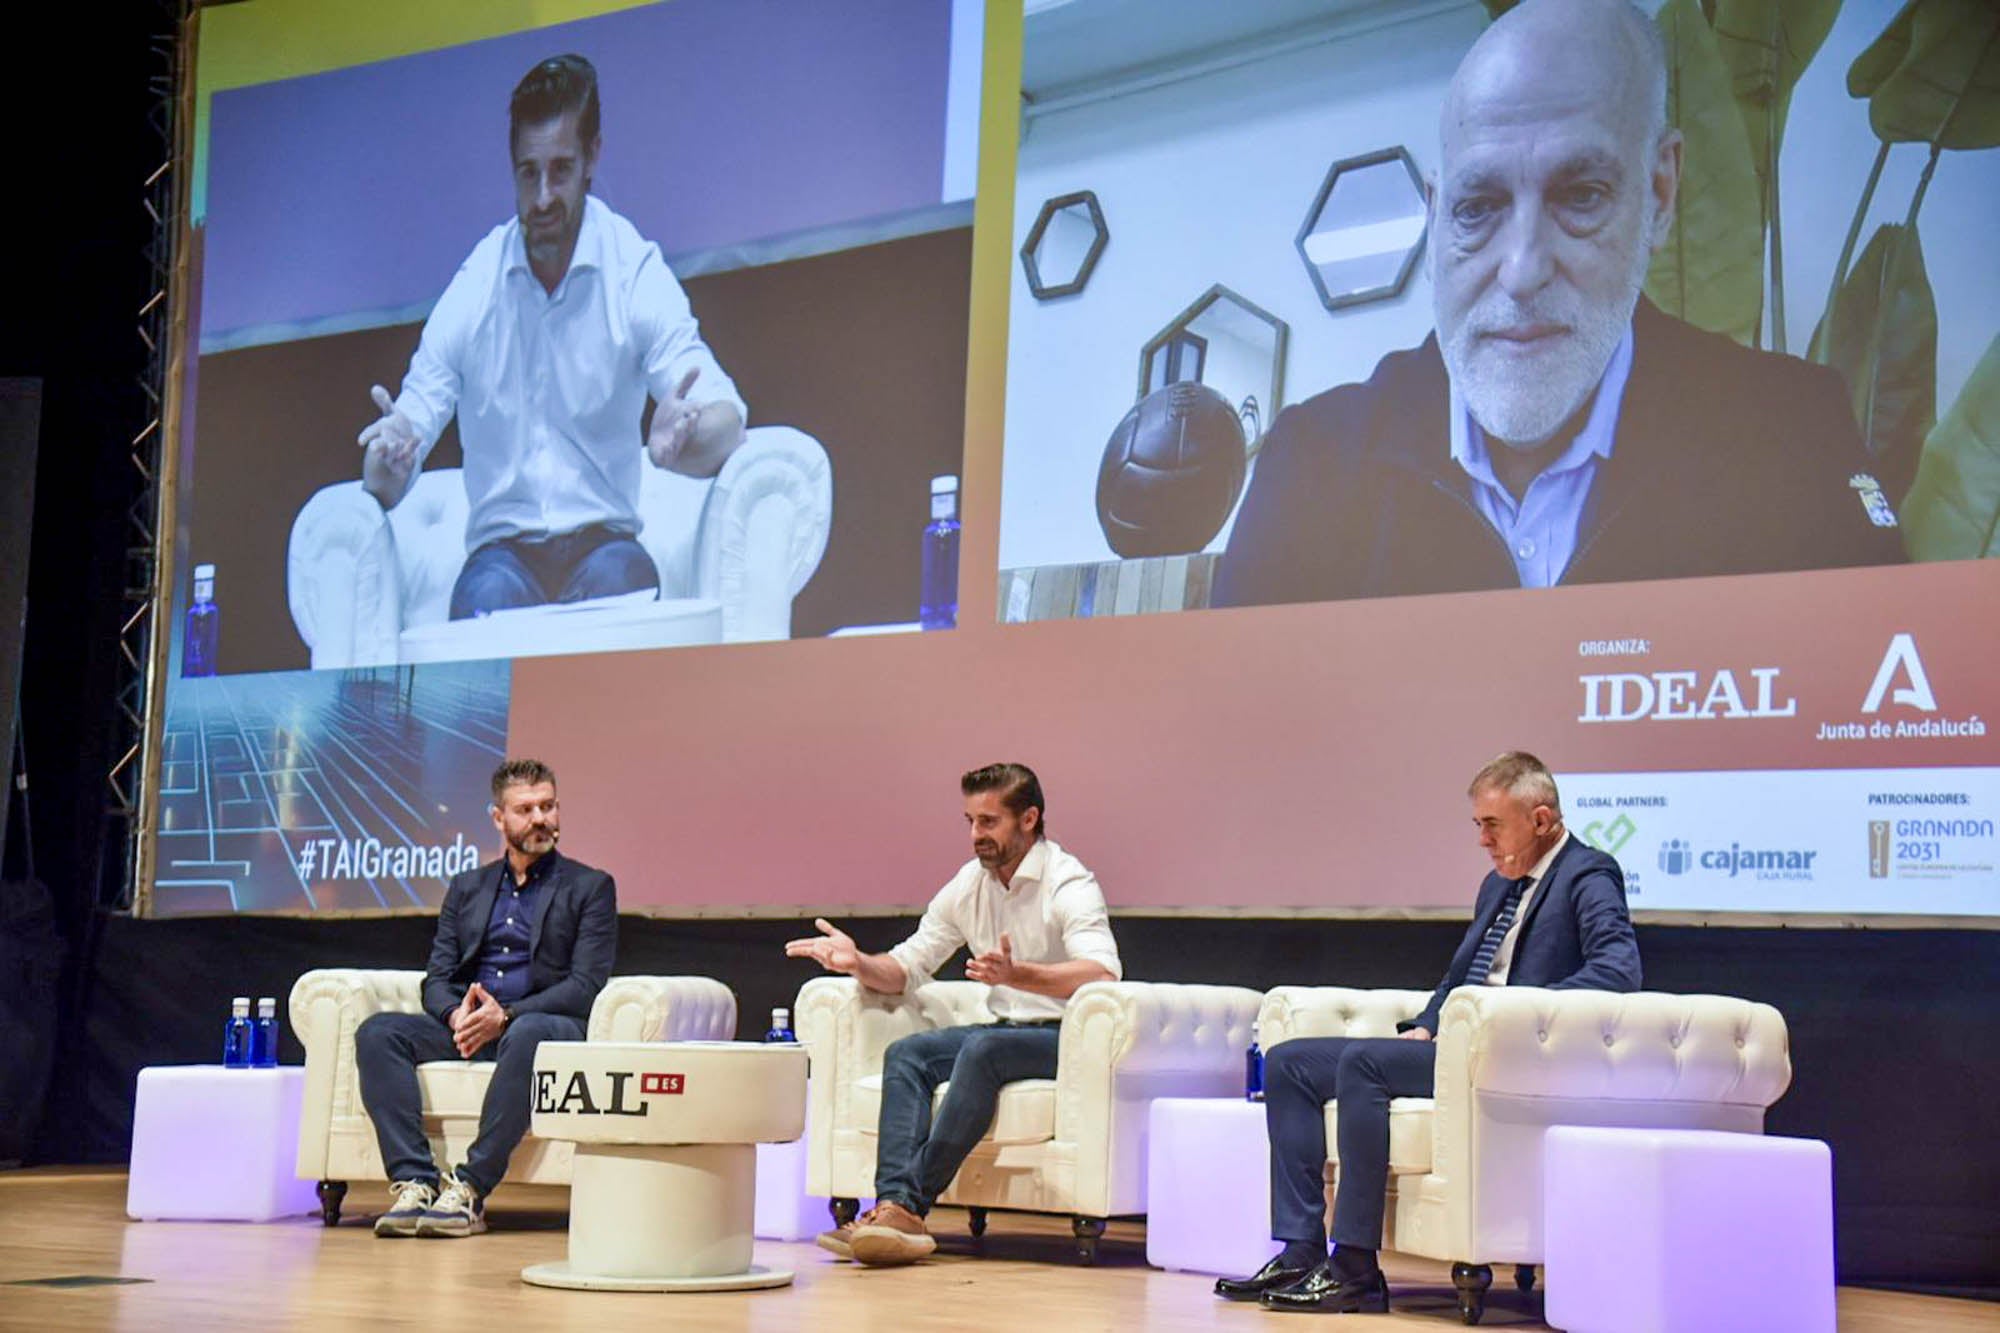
1551 914
523 946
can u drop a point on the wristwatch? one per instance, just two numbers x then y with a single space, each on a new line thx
507 1013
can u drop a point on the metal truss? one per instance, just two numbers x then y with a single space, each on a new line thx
144 632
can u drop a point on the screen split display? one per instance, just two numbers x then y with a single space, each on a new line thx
1254 418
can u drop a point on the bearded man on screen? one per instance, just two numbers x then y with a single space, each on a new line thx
546 345
1558 428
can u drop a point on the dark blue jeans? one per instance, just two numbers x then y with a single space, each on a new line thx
1362 1074
916 1157
389 1047
571 567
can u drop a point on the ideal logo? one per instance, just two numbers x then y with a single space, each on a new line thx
1608 838
579 1098
1916 694
1878 849
1675 696
1676 857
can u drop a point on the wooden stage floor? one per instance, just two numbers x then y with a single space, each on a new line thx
298 1274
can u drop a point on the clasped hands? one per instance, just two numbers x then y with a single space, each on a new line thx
478 1020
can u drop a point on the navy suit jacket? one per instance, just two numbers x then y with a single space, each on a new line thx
1577 934
572 941
1725 461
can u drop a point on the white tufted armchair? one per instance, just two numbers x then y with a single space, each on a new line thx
357 578
1465 1165
337 1139
1075 1144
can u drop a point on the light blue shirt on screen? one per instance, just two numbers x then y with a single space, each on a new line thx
1540 530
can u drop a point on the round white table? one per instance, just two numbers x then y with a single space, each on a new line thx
663 1186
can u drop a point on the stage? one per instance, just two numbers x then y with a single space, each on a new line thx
71 1224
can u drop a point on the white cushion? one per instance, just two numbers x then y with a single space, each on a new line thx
1026 1113
1409 1134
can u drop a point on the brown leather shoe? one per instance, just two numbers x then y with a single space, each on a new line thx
839 1241
890 1235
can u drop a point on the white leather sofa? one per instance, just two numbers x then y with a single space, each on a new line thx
1465 1165
1074 1144
337 1139
357 578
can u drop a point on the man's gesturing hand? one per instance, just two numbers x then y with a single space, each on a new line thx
478 1019
674 423
391 442
995 967
833 949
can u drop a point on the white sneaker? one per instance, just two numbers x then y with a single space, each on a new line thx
458 1211
411 1198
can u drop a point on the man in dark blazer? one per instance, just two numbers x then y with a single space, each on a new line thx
1552 914
1557 428
523 946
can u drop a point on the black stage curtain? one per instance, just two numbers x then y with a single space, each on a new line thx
1893 1032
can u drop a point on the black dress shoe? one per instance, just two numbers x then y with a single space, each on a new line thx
1323 1292
1268 1278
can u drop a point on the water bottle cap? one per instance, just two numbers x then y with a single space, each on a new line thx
778 1017
944 485
267 1007
241 1004
204 571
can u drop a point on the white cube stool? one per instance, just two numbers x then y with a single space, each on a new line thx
211 1144
1208 1186
1687 1231
663 1185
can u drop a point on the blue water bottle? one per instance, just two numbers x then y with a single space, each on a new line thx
204 626
1253 1069
236 1038
937 606
264 1036
781 1027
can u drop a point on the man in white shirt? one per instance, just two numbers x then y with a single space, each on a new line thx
547 344
1551 914
1033 919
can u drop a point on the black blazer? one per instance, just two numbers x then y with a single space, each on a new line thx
1577 934
1725 461
572 942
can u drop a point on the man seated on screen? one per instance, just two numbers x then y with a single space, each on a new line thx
523 946
546 344
1033 919
1557 428
1551 913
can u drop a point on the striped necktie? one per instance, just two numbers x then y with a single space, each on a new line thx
1489 945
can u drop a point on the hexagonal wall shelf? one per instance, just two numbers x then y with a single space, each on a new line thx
1365 230
1228 343
1064 245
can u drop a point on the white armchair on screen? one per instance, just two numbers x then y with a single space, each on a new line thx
1073 1144
336 1137
373 589
1465 1165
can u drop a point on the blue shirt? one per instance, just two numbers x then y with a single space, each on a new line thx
1540 529
503 956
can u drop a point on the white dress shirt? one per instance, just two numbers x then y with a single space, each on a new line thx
549 387
1540 528
1053 912
1503 957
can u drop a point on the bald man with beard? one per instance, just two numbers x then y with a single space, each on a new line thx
1558 428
